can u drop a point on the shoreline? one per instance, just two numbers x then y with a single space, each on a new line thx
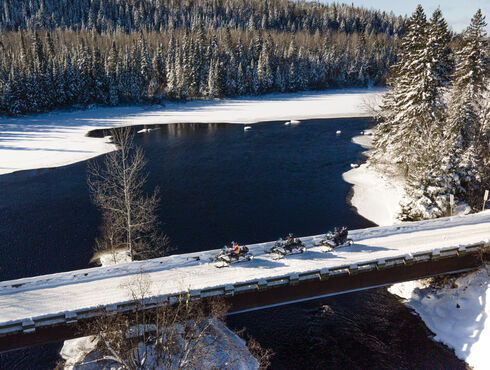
454 312
375 194
60 138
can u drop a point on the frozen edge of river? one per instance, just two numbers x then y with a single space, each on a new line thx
59 138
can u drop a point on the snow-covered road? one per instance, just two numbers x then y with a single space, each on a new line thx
59 138
85 289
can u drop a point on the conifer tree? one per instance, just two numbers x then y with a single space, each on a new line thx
468 132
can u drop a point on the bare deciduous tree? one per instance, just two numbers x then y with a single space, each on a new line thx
130 221
176 336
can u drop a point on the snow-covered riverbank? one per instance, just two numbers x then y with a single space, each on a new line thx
459 312
375 194
59 138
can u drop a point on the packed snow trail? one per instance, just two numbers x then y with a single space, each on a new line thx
47 295
59 138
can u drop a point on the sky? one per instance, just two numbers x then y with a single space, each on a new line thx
458 13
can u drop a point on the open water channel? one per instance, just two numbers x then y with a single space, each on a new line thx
220 183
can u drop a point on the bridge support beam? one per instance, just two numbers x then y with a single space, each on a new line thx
355 280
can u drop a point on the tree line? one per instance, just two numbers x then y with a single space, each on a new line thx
163 15
435 116
48 67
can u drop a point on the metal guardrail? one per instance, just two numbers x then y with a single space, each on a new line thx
29 325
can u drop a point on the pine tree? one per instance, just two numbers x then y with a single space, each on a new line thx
467 132
112 75
413 114
412 110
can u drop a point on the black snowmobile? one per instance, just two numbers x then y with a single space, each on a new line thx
228 256
335 239
286 247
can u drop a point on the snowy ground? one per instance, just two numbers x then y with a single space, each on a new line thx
459 313
58 138
376 192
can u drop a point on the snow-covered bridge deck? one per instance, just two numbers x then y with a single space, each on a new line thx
380 256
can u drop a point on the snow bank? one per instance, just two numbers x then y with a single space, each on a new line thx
376 192
376 195
458 313
58 138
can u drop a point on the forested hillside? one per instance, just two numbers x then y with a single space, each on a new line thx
58 54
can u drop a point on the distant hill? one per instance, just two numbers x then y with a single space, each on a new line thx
59 53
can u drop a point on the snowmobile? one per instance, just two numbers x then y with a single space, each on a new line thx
286 247
227 256
331 243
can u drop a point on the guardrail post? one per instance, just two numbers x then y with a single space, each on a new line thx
353 269
229 290
28 326
71 317
262 284
408 258
324 274
436 254
461 250
293 279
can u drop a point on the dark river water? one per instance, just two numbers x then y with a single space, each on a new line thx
220 183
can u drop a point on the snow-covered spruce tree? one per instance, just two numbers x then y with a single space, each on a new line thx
413 113
467 129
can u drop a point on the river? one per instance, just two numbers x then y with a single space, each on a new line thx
220 183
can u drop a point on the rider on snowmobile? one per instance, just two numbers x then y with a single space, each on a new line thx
289 242
343 235
336 236
235 248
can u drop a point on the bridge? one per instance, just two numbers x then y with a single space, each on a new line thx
40 309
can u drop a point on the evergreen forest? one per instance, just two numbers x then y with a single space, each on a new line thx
64 53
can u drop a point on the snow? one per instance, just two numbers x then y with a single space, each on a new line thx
376 195
113 258
94 287
458 313
376 192
365 139
75 350
229 351
59 138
